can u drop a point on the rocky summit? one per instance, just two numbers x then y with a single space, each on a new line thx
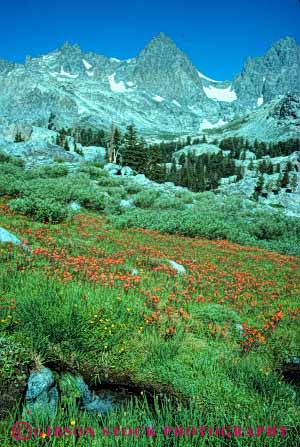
160 91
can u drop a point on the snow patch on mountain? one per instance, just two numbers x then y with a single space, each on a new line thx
82 109
130 83
68 75
115 59
176 103
87 65
201 75
90 73
260 101
118 87
208 125
220 94
158 98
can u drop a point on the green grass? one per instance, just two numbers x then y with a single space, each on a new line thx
78 305
97 295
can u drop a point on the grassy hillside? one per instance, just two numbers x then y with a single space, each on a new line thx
106 302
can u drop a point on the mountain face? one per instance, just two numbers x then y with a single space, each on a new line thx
276 120
160 90
276 73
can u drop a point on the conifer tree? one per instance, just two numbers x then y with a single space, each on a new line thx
155 167
66 145
294 182
130 146
51 121
285 179
18 137
259 187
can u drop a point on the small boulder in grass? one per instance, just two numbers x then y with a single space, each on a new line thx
41 397
6 237
180 268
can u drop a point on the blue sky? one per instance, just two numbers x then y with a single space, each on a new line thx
217 35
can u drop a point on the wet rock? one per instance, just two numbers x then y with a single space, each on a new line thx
42 395
90 402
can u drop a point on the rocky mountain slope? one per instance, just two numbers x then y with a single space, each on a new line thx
160 90
277 120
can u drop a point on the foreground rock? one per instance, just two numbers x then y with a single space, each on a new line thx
44 391
178 267
10 238
35 153
90 402
42 394
7 237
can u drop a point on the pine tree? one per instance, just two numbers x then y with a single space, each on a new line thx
130 145
18 137
294 182
285 179
173 175
114 144
259 187
66 145
134 153
155 167
51 121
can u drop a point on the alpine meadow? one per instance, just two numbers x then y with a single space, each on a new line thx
149 248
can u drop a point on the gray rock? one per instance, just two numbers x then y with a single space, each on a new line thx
94 153
127 203
40 153
90 402
41 397
39 382
113 169
7 237
126 171
189 206
74 206
180 268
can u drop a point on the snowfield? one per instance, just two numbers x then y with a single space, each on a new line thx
118 87
220 94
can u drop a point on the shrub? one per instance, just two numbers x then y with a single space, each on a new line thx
58 160
168 202
108 181
56 171
92 200
4 158
185 196
116 192
94 172
46 211
145 199
133 188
